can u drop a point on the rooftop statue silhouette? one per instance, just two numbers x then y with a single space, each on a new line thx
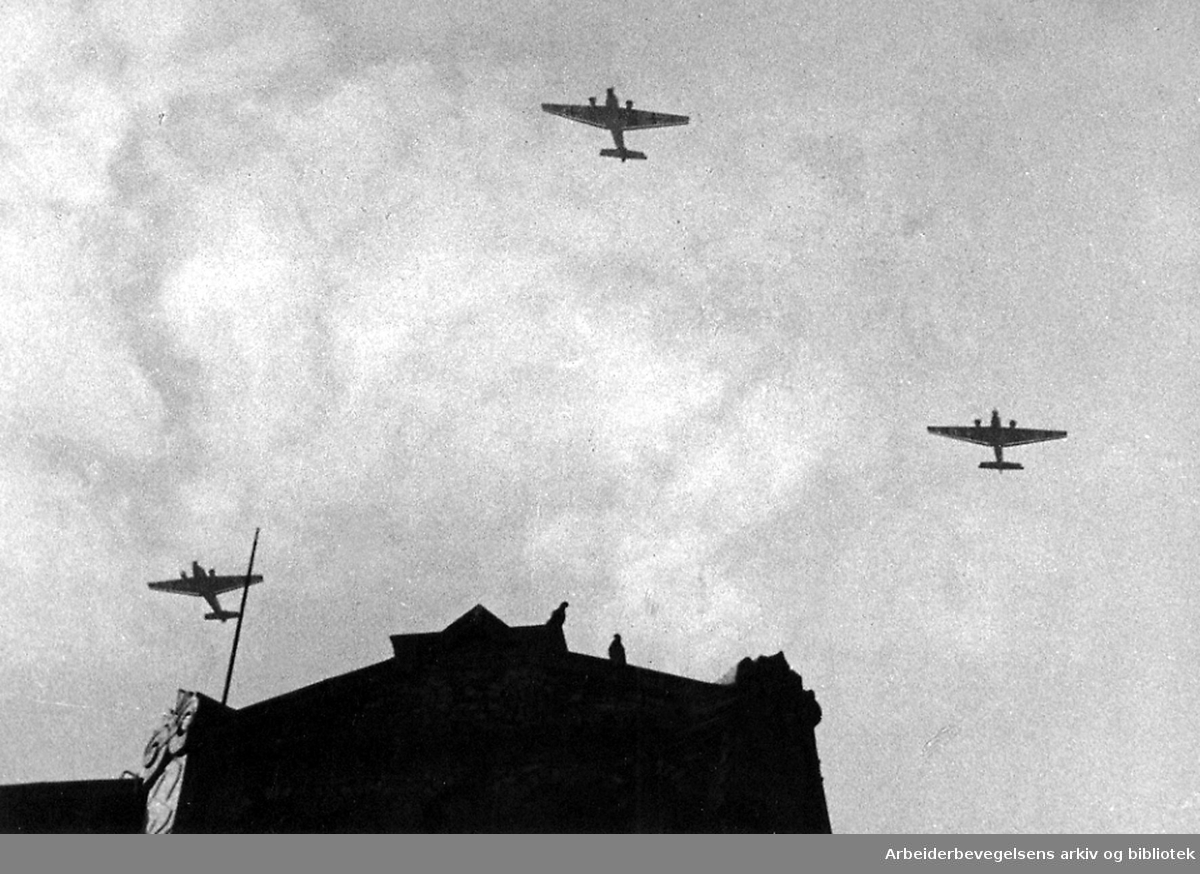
616 650
559 616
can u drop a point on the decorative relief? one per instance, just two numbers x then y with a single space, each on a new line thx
185 710
163 798
156 754
163 763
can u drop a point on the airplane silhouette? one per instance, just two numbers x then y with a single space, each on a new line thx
206 586
996 437
616 119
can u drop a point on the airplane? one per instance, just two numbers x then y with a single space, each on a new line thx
617 120
206 586
996 437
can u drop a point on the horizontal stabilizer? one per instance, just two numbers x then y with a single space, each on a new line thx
623 154
1000 465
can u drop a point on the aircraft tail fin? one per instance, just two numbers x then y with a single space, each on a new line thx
1000 465
222 615
623 154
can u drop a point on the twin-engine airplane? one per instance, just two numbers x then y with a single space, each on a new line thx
997 437
616 119
207 586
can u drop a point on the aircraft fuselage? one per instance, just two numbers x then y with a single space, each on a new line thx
999 465
616 124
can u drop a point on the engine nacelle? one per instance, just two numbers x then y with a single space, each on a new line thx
1012 423
629 104
592 100
978 423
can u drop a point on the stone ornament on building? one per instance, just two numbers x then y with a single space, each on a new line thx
156 754
162 801
164 761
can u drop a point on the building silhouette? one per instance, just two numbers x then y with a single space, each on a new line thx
74 807
483 727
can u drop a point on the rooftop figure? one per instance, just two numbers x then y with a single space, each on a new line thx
616 650
559 616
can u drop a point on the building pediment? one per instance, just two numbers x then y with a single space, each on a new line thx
478 629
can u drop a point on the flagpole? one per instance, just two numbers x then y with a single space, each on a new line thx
241 615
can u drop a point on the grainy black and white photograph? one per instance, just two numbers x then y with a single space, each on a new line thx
533 416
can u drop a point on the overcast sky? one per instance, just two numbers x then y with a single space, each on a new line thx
327 269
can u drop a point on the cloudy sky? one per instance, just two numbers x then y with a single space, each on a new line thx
326 268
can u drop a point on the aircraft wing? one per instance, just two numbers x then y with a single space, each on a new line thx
982 436
637 119
995 436
593 115
204 587
1018 436
186 586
